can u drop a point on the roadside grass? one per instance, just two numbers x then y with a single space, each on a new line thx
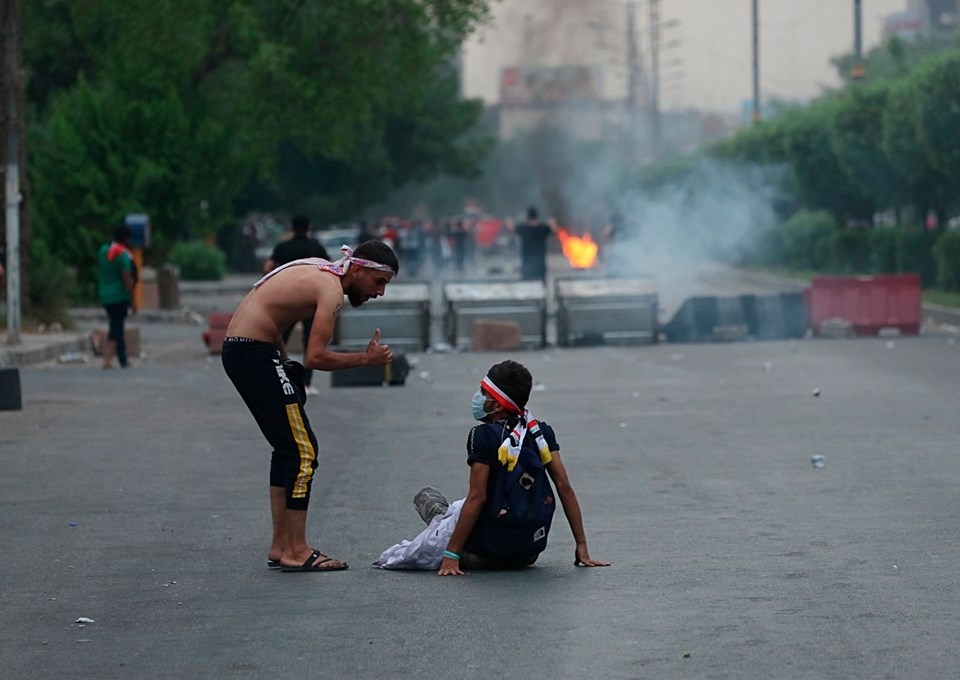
941 297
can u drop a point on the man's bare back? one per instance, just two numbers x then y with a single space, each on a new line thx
305 289
291 295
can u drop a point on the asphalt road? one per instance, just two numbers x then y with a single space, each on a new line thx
137 499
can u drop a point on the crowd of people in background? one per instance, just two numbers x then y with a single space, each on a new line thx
454 247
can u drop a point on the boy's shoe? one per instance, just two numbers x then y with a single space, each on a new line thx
430 503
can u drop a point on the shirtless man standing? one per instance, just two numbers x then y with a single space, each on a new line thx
255 359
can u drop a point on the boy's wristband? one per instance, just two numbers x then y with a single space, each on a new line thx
452 555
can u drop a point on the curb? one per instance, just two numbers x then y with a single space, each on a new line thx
936 318
940 315
25 356
97 314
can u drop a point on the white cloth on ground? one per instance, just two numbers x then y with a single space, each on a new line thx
426 550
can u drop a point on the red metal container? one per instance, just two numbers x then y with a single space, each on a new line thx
213 337
868 303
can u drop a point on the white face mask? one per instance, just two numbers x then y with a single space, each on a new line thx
476 406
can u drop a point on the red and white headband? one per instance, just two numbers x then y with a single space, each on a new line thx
500 396
370 264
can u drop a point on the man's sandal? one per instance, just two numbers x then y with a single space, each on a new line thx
312 565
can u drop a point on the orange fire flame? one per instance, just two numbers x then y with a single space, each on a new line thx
580 251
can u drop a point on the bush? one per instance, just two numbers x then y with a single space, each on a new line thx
807 239
915 254
765 251
946 252
883 250
850 251
198 261
53 286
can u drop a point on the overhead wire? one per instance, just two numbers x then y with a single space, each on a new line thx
791 23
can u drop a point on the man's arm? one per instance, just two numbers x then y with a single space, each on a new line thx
318 356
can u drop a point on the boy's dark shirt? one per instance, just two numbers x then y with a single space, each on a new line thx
483 444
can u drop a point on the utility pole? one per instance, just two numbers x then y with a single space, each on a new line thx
12 123
636 79
655 76
633 80
527 40
859 71
756 63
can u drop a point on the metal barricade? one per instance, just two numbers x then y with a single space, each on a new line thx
402 315
521 302
606 311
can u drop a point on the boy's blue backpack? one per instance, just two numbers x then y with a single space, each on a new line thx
520 508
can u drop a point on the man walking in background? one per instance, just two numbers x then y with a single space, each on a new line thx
116 278
301 245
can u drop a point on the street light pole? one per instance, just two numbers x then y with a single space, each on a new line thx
633 71
655 76
756 64
11 75
859 71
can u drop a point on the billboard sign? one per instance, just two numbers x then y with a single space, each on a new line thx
550 84
904 25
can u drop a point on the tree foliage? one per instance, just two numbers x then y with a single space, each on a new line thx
195 112
856 138
885 146
892 59
875 146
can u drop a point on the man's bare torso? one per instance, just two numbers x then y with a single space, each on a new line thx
291 295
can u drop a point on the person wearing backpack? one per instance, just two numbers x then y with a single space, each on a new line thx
504 521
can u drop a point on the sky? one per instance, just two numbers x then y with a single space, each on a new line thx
708 66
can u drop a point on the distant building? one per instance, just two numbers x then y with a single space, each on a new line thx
566 97
570 98
925 18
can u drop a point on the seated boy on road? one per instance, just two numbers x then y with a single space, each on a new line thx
504 521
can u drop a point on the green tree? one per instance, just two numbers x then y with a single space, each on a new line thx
892 59
194 112
821 181
915 253
937 124
947 253
856 137
901 143
808 239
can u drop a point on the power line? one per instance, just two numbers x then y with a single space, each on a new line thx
738 64
790 23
